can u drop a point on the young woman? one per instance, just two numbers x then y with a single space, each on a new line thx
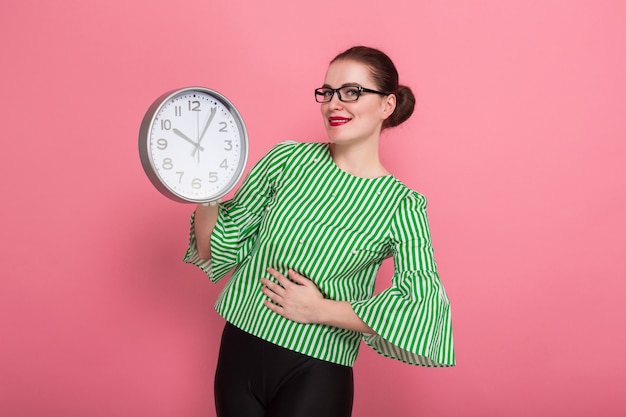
307 232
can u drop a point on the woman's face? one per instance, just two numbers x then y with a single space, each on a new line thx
357 121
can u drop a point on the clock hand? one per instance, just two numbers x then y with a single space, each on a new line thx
194 143
206 127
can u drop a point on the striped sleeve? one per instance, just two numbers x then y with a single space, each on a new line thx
412 318
239 218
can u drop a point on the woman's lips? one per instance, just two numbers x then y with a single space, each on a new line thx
338 121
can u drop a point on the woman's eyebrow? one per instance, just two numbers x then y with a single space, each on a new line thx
344 85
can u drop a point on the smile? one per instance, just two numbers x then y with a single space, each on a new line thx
338 121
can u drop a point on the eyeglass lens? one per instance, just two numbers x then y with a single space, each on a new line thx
349 93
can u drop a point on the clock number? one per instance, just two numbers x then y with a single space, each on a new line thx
167 163
178 111
166 124
224 126
196 183
180 176
224 164
161 144
194 105
229 145
213 177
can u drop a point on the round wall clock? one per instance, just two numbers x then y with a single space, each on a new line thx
193 145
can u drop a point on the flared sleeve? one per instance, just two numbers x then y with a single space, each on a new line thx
412 318
239 218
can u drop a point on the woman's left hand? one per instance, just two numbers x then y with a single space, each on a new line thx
297 298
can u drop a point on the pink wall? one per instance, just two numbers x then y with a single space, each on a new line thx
519 142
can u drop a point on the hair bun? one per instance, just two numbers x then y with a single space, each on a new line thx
405 104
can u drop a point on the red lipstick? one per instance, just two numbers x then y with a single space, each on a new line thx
338 121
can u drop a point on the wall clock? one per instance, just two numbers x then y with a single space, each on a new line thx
193 145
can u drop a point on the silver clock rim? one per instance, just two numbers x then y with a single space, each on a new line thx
146 156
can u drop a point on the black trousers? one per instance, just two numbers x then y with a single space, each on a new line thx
255 378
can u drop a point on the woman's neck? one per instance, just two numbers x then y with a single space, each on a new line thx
361 160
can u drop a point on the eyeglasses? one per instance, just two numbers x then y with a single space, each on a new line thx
345 94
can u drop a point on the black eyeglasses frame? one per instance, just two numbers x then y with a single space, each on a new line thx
358 88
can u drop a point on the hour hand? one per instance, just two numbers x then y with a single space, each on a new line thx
188 139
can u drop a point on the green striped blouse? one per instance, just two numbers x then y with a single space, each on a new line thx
298 210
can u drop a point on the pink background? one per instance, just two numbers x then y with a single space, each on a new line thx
519 142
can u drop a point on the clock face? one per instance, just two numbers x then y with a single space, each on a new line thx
196 145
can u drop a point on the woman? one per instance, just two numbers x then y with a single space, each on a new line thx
307 232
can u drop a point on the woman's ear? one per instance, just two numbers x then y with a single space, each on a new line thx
390 105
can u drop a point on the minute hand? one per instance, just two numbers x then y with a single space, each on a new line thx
206 127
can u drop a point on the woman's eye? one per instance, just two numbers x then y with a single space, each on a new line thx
351 92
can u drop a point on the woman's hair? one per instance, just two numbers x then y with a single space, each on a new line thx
385 75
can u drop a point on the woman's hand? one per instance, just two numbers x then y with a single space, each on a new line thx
297 298
300 300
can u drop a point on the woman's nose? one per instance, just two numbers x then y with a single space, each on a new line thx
335 102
